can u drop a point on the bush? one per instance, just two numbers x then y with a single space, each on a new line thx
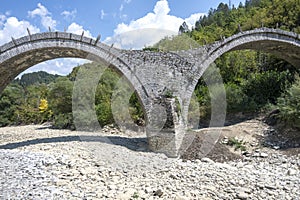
289 106
266 87
237 100
64 121
104 113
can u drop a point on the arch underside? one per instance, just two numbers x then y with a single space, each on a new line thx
14 66
284 45
18 62
283 50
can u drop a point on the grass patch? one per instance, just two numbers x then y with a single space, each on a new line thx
236 144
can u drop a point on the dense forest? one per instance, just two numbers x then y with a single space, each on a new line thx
255 82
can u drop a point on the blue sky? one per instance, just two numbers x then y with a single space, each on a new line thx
108 18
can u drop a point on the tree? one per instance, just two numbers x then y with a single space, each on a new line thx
184 28
60 96
289 106
43 107
10 99
60 102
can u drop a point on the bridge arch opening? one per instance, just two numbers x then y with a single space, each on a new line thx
23 53
282 44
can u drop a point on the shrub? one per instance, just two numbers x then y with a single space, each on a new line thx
289 106
237 100
266 87
237 144
64 121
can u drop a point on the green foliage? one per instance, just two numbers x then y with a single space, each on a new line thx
289 106
265 87
237 100
19 105
63 103
10 99
225 21
252 79
136 110
104 113
60 96
176 43
25 114
238 65
36 78
60 102
64 121
237 144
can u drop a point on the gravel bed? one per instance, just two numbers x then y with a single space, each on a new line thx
42 163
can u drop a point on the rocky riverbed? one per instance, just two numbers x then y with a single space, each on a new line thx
42 163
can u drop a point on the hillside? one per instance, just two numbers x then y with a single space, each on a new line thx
35 78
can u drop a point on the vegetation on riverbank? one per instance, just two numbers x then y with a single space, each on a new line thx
254 81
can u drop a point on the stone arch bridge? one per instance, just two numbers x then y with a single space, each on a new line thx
164 81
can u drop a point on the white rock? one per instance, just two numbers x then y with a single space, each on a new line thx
242 196
292 172
263 155
207 160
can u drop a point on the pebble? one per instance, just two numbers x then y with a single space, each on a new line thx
73 169
207 160
242 196
292 172
263 155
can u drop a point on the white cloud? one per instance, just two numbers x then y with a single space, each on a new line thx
12 27
69 15
78 29
159 19
102 14
45 15
8 13
138 39
162 8
121 7
123 17
2 19
61 66
190 21
127 1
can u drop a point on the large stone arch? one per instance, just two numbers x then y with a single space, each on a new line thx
283 44
21 54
